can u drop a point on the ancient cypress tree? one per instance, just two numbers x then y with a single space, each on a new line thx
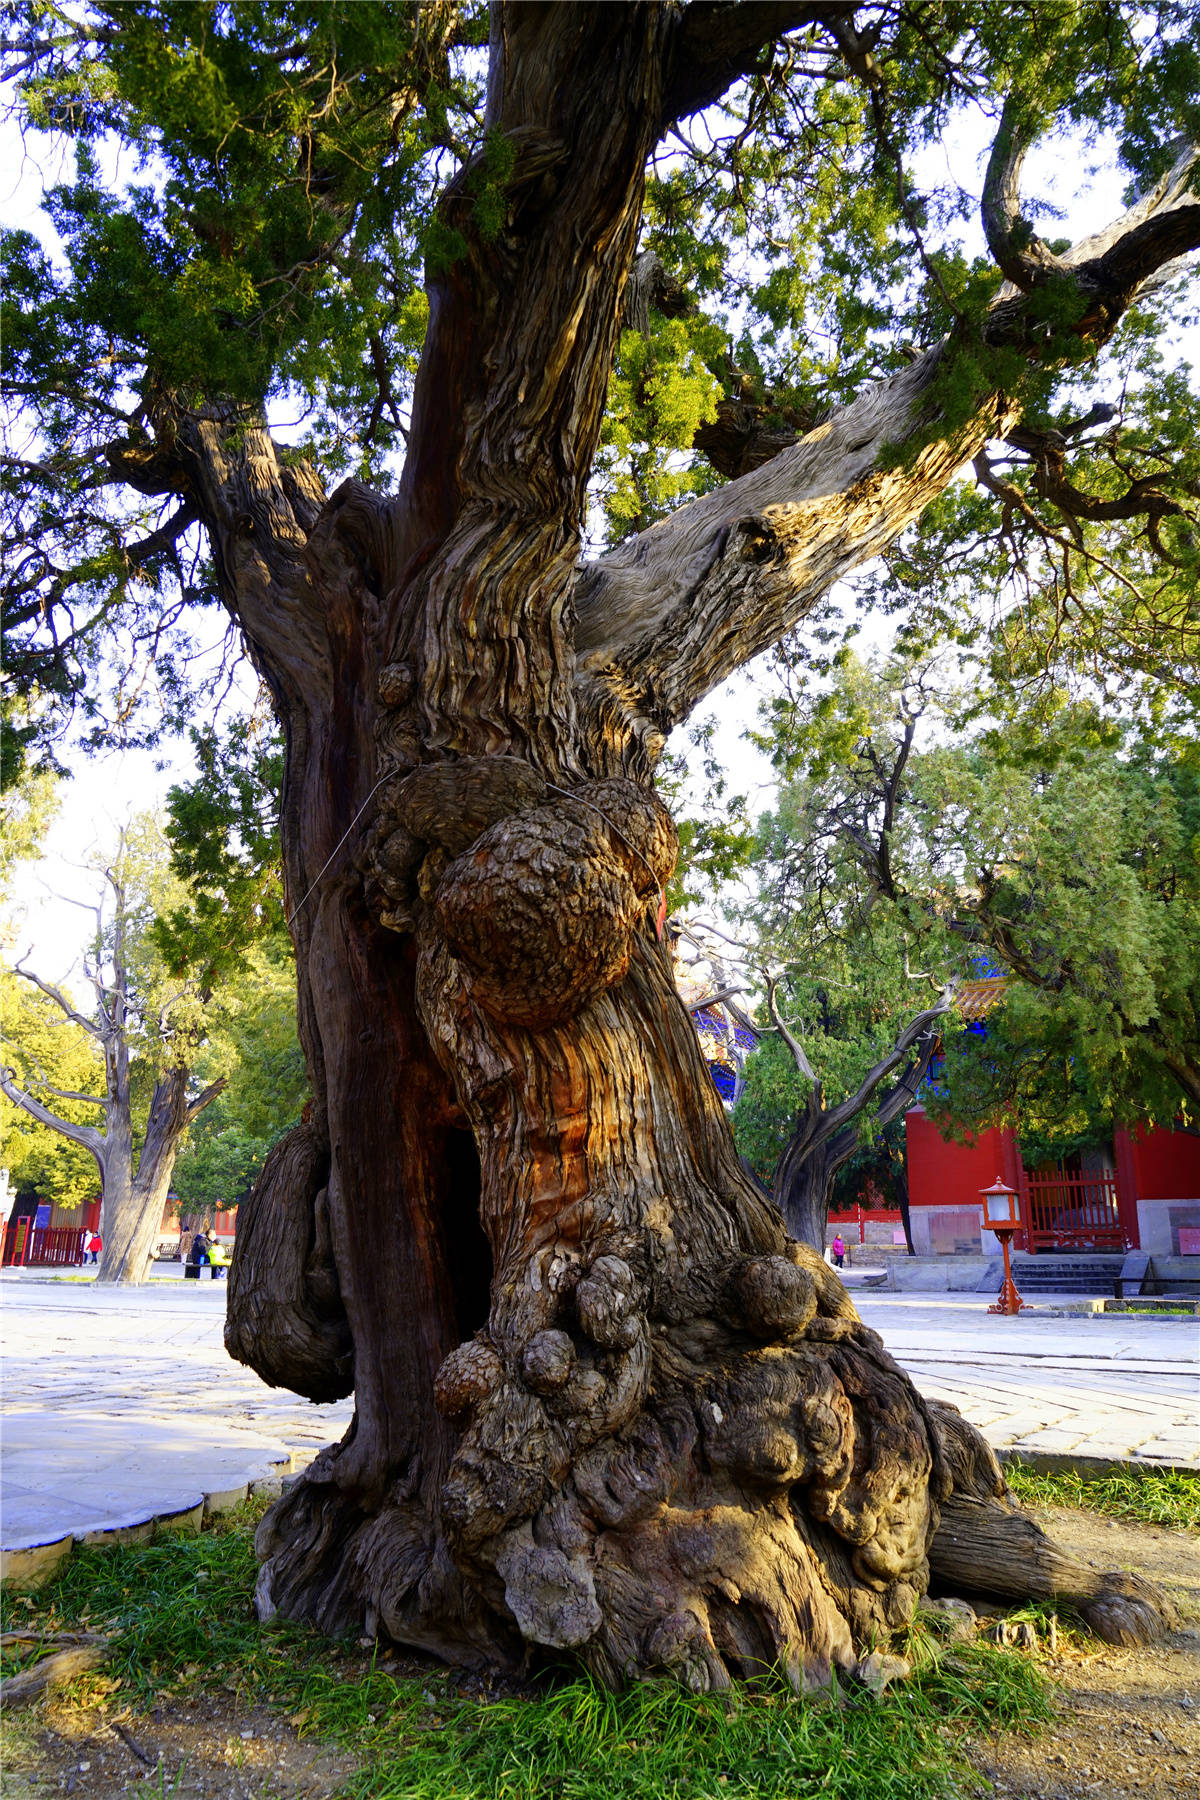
603 1404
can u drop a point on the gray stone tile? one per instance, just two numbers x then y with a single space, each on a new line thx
103 1385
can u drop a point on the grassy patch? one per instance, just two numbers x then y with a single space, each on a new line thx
179 1614
1144 1495
177 1610
656 1743
1183 1309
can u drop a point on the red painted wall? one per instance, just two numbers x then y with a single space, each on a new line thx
942 1174
1167 1164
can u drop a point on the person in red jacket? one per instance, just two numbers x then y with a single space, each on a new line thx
95 1245
838 1250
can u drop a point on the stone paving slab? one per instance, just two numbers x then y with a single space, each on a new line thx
114 1472
122 1410
122 1407
1084 1390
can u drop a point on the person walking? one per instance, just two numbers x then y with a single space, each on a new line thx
218 1259
95 1245
838 1250
197 1257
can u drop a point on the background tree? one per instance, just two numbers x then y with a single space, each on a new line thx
252 1041
146 1025
27 807
1062 850
514 1218
38 1041
48 1052
223 829
877 1175
859 1025
848 1073
1002 1075
1083 878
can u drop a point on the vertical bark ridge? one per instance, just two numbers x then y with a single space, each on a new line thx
510 396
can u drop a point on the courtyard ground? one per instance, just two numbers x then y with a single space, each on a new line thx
196 1700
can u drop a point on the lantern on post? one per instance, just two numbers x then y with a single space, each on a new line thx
1002 1214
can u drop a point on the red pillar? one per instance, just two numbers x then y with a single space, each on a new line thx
1127 1189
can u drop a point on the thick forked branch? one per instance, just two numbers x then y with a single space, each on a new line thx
197 1106
155 543
71 1094
825 1138
824 1124
61 1001
799 1054
718 43
509 398
1137 249
672 612
259 511
891 801
918 1034
85 1135
1014 244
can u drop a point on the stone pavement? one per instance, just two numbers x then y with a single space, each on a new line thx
122 1408
1084 1391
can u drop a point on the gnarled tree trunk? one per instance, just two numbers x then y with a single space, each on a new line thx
603 1403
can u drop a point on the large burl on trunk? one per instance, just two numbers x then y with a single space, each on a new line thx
603 1404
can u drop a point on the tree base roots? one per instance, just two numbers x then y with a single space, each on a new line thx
710 1511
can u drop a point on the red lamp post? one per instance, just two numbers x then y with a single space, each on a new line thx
1002 1214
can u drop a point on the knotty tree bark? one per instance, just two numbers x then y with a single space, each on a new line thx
604 1404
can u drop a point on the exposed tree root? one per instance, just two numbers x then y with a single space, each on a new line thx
382 1569
778 1505
52 1671
990 1547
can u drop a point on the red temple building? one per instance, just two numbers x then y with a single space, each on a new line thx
1141 1192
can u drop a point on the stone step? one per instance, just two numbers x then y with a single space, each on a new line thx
1051 1265
1056 1275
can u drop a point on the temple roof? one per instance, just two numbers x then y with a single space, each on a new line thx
975 999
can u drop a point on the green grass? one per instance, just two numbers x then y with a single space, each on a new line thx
178 1610
1143 1495
656 1743
1185 1309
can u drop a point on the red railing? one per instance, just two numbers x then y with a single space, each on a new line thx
856 1219
57 1246
1072 1212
